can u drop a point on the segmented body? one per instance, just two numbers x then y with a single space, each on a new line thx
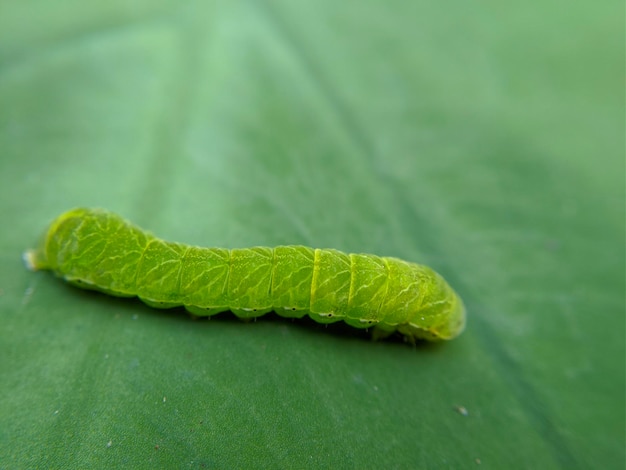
96 249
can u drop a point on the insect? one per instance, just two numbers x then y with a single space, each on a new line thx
97 249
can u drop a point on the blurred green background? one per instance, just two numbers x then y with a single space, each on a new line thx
483 139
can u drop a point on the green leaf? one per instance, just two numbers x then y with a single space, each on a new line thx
482 140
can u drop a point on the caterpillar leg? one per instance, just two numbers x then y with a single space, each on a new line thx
205 312
382 331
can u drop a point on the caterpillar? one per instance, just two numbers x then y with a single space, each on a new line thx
97 249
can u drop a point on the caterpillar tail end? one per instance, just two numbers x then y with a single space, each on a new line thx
34 260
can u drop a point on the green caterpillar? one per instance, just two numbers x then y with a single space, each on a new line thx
96 249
